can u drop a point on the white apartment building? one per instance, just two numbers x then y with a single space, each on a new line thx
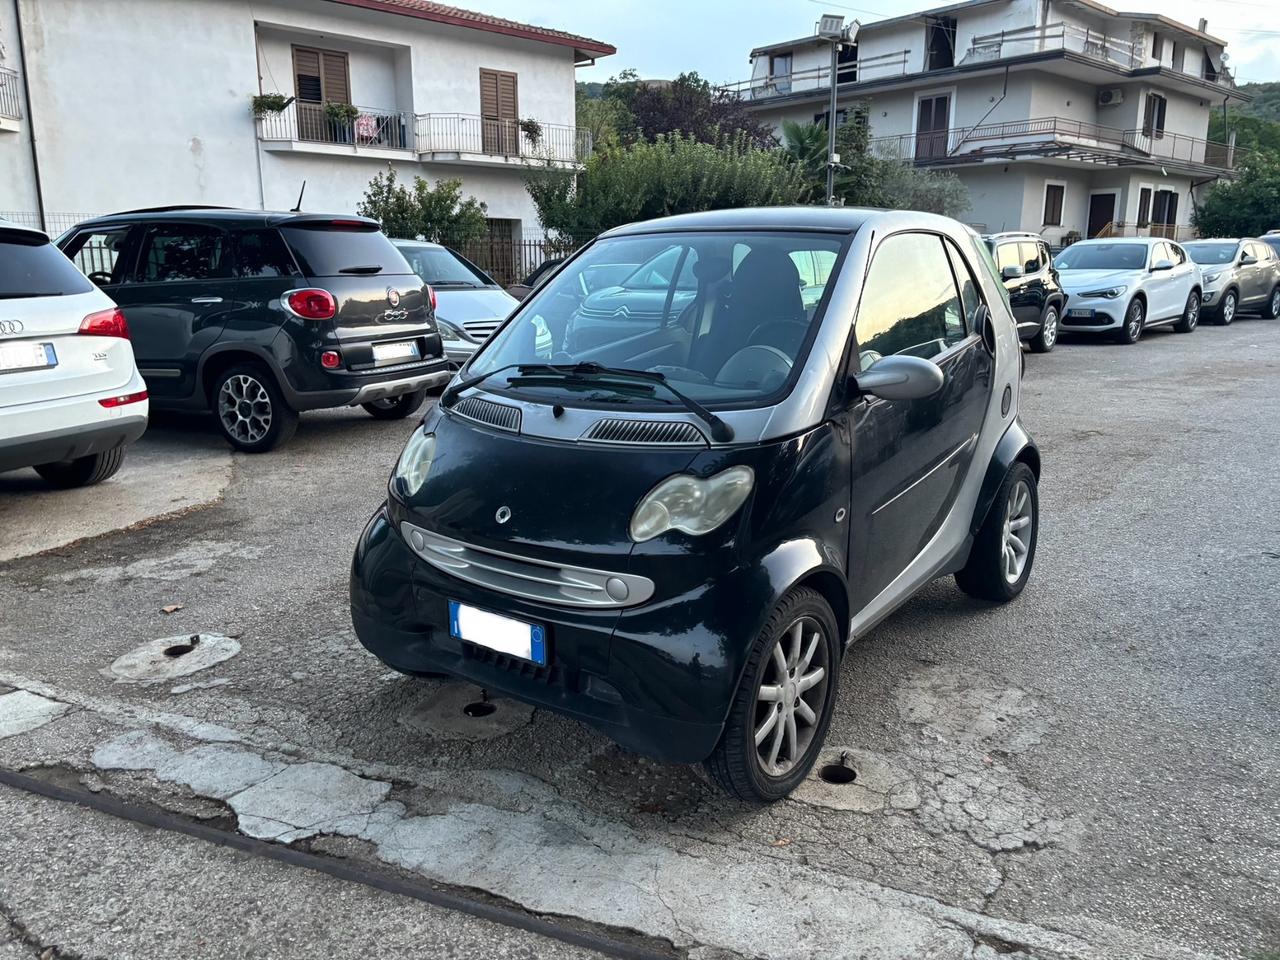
1062 117
111 105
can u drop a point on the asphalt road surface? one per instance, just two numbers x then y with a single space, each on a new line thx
1088 772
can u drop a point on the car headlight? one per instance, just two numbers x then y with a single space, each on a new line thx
415 461
1212 277
691 504
1109 294
451 333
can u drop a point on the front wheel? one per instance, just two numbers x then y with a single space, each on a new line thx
1044 341
1135 318
1227 309
1271 309
1190 314
82 471
395 408
1005 547
780 713
251 410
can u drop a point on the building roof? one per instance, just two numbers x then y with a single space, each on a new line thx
584 48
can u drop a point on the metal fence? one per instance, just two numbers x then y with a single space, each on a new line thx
523 139
509 261
10 94
312 122
54 223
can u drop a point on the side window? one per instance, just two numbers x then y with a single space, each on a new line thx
180 251
909 303
970 299
1176 252
1008 255
262 253
1029 253
1045 256
1160 251
101 254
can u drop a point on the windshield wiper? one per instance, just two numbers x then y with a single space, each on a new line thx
458 386
594 372
364 268
454 283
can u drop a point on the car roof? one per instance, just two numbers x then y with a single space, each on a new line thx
8 226
836 219
218 216
1012 235
1145 241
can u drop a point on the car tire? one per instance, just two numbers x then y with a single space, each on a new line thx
995 569
1271 309
763 706
1047 336
82 471
251 411
1228 308
1190 314
395 408
1135 320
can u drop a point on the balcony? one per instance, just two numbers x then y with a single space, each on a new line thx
310 127
1061 37
819 78
1059 138
466 139
10 99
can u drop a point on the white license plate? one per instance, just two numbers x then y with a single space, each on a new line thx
1080 312
403 350
515 638
26 356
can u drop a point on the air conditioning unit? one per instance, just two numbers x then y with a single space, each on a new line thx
1109 96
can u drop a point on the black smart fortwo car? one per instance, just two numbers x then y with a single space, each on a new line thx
257 315
672 532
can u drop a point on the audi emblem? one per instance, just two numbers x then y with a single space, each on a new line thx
503 514
10 328
393 296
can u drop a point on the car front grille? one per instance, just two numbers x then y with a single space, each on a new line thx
480 329
524 577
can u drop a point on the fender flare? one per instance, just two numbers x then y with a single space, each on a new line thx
257 350
1015 446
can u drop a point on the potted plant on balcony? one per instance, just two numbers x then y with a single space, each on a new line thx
340 116
532 131
266 103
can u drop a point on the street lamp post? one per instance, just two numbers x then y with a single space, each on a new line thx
831 27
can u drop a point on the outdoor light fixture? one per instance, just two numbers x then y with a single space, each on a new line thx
831 26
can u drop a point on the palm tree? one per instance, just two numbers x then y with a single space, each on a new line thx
806 145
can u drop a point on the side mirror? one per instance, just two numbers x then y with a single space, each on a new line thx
1011 272
901 377
1162 265
1248 260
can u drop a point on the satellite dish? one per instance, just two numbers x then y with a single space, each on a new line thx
1225 57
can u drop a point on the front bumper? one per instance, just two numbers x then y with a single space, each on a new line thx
1210 296
657 678
1104 314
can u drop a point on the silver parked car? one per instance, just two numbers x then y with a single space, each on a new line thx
1239 275
469 303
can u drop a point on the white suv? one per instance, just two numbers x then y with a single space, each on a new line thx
71 398
1124 286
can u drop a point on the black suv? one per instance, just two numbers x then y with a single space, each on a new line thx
257 315
1035 296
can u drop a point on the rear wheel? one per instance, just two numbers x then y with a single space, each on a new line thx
780 713
1005 547
251 410
1135 318
395 408
1190 314
1228 307
1271 309
82 471
1044 341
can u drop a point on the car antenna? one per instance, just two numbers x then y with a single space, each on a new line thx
297 207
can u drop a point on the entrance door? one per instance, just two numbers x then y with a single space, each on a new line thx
499 113
932 116
1102 211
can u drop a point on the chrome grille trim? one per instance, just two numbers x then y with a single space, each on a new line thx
487 412
537 580
670 433
481 329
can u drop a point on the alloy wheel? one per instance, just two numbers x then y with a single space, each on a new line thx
1049 332
1018 531
1193 310
244 407
1275 302
1229 308
1133 321
791 697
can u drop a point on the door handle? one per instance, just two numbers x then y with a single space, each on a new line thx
206 299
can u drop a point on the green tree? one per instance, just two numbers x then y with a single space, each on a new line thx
1252 133
424 212
1242 208
673 174
687 105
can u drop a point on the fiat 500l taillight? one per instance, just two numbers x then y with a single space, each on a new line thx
311 303
105 323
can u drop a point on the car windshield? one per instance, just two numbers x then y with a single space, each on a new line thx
1210 253
724 317
31 266
441 267
1103 256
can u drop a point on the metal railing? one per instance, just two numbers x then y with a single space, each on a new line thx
819 78
1081 138
462 133
310 122
1165 231
1053 36
10 94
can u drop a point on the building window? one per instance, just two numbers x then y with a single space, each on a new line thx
940 41
1153 119
847 63
1054 194
1157 47
1164 212
842 116
1144 207
321 76
1209 71
780 65
499 113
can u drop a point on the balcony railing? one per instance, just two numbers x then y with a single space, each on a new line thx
10 94
819 78
1054 136
311 123
1070 37
467 135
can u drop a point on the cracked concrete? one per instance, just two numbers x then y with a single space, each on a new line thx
881 783
189 561
21 711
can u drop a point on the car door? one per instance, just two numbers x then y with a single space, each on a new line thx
1254 277
1164 285
1033 267
104 254
176 304
910 456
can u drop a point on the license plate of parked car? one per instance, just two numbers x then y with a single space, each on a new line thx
515 638
1080 312
26 356
402 350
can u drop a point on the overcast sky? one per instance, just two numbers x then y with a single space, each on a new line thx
660 38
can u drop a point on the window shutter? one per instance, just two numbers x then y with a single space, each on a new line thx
508 108
1144 206
306 68
336 87
488 94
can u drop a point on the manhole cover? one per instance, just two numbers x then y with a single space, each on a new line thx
480 708
850 778
837 773
460 711
159 661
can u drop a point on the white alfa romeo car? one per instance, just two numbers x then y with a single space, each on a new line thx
71 398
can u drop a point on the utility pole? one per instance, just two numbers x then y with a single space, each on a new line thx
831 28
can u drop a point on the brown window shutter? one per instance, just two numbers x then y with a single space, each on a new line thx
508 103
488 93
306 74
337 88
